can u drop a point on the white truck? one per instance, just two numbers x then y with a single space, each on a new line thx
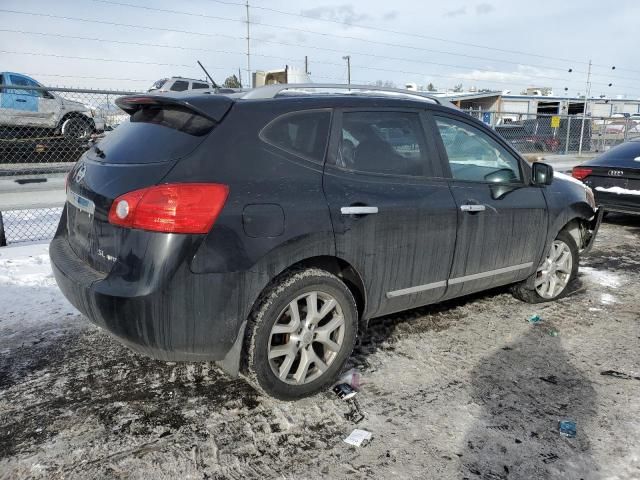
31 106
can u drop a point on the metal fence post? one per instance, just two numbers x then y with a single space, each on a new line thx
3 238
626 129
566 144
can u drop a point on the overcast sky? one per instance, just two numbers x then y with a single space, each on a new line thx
530 43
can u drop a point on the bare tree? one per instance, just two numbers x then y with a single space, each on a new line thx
458 88
431 87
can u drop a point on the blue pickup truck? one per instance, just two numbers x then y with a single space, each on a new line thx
29 106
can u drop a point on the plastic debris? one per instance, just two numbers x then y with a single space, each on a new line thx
355 414
358 437
344 391
624 376
535 319
567 428
352 378
553 332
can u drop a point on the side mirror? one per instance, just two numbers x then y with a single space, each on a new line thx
47 95
542 174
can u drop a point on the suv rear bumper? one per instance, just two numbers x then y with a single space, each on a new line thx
186 317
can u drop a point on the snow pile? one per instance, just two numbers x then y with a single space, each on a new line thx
29 296
618 190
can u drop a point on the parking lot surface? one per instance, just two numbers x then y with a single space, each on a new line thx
467 389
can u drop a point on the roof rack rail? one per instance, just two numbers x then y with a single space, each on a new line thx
271 91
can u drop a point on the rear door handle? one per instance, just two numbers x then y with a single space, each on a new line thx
472 208
358 210
21 100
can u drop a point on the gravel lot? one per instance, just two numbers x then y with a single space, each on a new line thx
468 389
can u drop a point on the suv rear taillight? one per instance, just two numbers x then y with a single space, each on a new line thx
581 172
170 208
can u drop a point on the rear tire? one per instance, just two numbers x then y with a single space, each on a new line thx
300 334
552 279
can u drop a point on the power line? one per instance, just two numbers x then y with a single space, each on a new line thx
422 36
264 41
347 37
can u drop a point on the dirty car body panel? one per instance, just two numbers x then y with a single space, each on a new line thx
186 296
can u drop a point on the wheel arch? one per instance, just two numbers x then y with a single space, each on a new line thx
339 267
75 114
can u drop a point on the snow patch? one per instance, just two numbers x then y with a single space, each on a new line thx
608 299
618 190
30 298
606 279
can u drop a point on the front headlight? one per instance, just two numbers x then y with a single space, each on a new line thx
591 199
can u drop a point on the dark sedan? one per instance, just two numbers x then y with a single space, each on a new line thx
614 177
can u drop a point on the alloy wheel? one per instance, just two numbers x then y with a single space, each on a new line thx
554 274
306 338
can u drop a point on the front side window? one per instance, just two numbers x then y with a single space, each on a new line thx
382 142
475 156
179 86
25 82
302 133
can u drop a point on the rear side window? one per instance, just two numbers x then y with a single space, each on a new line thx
179 86
389 143
301 133
178 118
475 156
196 85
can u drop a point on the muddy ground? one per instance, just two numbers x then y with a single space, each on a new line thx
468 389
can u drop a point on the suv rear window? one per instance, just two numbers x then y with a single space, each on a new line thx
154 134
304 134
196 85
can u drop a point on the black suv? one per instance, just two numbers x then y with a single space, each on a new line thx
262 230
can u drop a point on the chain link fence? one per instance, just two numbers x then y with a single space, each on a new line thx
43 131
560 134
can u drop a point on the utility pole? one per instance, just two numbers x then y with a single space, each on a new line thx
240 76
348 59
248 45
306 65
584 111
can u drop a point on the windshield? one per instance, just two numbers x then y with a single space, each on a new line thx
158 84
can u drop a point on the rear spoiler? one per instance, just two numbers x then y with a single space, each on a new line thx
211 106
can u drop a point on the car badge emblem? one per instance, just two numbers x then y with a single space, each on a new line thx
82 171
615 173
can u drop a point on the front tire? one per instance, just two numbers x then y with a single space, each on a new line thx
300 334
552 279
77 128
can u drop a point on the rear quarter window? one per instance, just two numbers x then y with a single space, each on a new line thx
304 134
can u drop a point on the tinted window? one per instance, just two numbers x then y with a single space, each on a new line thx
301 133
155 134
382 142
180 86
474 155
25 82
1 83
196 85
